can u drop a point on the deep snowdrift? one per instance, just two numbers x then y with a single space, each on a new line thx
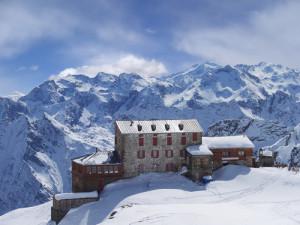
239 195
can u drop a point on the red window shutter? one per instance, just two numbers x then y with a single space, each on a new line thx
169 140
154 141
195 137
141 141
183 140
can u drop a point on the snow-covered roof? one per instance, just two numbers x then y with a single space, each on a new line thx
199 150
96 158
63 196
159 126
239 141
266 153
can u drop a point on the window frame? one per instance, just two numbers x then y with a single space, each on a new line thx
141 154
155 140
169 153
194 136
183 140
169 139
141 140
156 155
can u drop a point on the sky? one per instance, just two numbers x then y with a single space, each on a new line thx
43 39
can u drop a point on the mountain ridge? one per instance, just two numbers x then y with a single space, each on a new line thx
66 117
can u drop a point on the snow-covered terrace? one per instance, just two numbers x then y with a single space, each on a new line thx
239 141
199 150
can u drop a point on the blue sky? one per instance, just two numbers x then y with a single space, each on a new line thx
39 39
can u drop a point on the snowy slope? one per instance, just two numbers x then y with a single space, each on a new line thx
67 117
239 195
288 148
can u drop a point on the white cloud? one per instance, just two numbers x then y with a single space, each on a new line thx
125 64
270 35
21 24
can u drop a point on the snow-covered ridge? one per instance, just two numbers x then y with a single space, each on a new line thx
68 117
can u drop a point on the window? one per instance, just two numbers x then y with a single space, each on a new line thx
105 169
169 153
195 137
99 170
141 154
116 169
170 167
154 153
88 170
154 139
141 168
241 153
169 139
111 169
141 140
225 154
94 169
183 140
182 153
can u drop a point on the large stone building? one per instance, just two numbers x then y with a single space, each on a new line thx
155 145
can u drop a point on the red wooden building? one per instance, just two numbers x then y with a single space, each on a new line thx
93 171
230 150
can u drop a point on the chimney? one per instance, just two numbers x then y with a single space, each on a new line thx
139 127
153 127
180 126
167 126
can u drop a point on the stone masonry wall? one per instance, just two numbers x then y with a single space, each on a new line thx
132 163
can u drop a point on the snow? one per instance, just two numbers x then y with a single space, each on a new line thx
36 215
99 157
238 141
128 126
199 150
238 195
266 153
62 196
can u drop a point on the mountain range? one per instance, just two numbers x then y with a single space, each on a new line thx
66 117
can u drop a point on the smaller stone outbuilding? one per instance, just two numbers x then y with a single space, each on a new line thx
62 203
199 161
267 158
